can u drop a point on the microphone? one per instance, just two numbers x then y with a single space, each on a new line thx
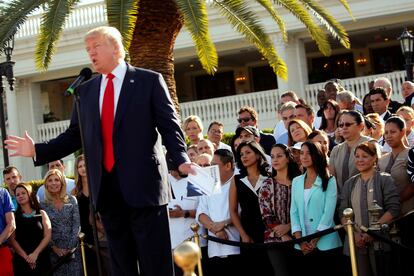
84 75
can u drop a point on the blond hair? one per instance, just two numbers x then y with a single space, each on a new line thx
197 120
111 34
62 195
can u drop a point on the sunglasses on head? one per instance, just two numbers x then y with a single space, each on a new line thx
244 119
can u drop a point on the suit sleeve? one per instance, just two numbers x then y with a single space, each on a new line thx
167 122
61 146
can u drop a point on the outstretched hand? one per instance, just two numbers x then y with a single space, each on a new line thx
186 168
20 146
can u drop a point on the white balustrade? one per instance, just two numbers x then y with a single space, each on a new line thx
224 109
87 15
49 131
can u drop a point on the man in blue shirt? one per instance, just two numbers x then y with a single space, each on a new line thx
12 177
7 227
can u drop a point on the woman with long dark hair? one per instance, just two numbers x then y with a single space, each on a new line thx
32 235
330 112
274 201
244 190
314 195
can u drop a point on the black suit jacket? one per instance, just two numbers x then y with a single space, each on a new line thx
144 111
387 115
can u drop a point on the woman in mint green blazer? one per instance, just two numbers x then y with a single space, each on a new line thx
313 204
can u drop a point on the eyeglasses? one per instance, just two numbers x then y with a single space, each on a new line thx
205 165
342 125
244 119
214 131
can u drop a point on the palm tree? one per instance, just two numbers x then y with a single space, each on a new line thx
150 27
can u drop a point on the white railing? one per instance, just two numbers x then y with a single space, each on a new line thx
82 16
225 109
359 86
48 131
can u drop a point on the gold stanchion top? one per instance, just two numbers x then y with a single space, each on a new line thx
186 256
348 213
195 227
81 236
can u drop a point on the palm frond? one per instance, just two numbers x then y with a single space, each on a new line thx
123 14
327 20
247 23
346 5
53 21
267 4
316 32
196 21
14 14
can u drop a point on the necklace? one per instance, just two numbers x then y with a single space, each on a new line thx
29 215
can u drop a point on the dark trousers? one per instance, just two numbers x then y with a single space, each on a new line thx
138 238
225 266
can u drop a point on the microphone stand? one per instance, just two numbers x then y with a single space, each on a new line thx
91 207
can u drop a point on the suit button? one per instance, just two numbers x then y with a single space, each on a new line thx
311 220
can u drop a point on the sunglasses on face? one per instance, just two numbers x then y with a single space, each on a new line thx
342 125
244 119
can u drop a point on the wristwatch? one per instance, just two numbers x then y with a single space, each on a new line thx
186 214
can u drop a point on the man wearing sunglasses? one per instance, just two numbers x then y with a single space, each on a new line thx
248 117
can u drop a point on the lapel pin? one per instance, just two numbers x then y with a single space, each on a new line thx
131 81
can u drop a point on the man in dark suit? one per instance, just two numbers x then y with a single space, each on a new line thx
248 117
380 102
123 111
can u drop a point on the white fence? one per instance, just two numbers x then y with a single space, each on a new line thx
225 109
82 16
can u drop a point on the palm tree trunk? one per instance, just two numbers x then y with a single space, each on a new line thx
158 24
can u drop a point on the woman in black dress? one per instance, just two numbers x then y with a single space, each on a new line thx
244 190
32 235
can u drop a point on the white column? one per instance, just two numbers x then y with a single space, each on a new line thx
27 115
293 53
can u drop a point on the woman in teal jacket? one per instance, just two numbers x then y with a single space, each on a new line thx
314 197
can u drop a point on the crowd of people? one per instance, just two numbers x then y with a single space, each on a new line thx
42 229
350 153
274 188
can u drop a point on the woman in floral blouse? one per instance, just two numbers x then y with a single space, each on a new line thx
274 201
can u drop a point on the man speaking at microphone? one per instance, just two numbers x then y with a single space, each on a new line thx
123 111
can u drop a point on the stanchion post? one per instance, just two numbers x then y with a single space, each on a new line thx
348 214
82 244
195 227
186 256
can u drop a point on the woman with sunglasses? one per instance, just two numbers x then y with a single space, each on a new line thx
342 161
32 235
314 197
274 202
244 205
298 131
359 193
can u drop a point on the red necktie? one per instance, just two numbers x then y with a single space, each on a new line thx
107 124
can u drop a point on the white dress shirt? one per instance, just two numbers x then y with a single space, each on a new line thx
216 207
119 73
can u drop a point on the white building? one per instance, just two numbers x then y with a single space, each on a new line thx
243 76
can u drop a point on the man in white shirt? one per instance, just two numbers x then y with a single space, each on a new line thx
215 134
213 213
70 183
